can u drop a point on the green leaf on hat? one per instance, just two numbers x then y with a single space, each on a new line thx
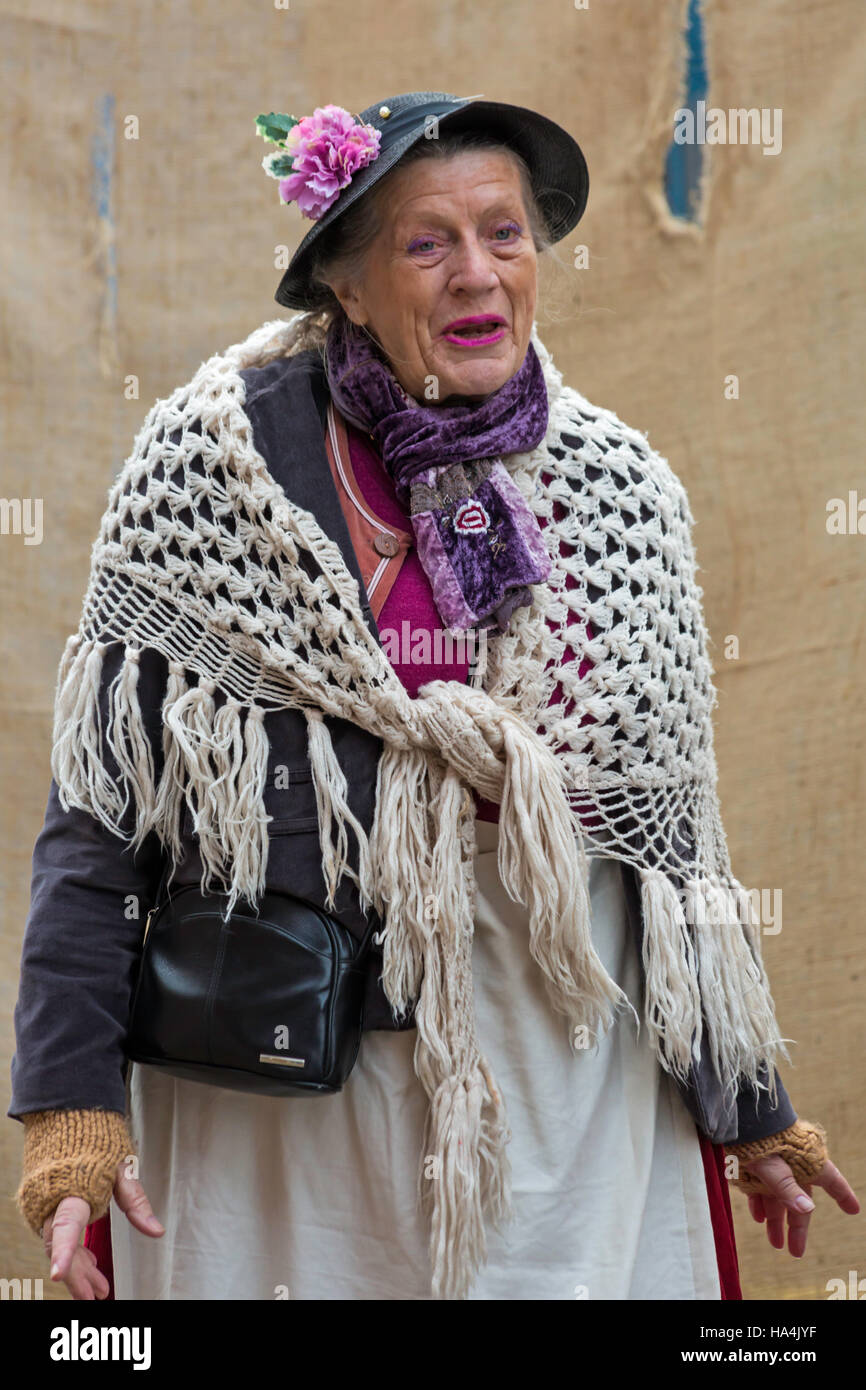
275 126
278 165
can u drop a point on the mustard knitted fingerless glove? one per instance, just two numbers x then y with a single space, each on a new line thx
803 1146
70 1153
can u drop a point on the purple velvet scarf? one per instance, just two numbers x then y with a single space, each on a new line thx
478 541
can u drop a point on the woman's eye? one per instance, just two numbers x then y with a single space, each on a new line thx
509 231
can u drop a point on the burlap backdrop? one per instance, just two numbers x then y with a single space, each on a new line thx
140 257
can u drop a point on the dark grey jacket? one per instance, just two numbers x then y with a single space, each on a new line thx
90 896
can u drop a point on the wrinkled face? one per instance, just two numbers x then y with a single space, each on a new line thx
455 245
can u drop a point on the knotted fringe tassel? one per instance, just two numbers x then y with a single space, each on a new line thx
77 753
494 1169
332 805
750 922
542 864
401 857
236 796
467 1176
738 1006
130 744
672 1007
226 775
190 719
464 1178
170 794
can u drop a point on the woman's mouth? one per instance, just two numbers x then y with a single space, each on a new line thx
475 332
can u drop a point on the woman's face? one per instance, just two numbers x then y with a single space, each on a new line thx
455 244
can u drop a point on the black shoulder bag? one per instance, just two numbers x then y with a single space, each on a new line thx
269 999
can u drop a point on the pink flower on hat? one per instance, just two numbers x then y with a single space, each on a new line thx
318 155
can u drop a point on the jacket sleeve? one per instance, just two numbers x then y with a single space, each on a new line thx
757 1116
90 895
751 1114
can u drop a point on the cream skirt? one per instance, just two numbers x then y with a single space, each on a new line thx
314 1198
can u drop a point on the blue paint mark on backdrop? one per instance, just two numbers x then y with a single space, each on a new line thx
102 160
684 162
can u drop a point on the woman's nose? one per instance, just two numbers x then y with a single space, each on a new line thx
472 267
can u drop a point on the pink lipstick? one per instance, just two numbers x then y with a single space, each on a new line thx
475 331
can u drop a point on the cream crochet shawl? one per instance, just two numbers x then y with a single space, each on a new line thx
202 556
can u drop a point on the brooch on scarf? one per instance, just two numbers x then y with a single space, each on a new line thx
317 155
467 516
471 518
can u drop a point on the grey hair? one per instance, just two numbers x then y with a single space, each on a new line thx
342 249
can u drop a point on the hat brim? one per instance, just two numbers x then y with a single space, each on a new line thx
557 167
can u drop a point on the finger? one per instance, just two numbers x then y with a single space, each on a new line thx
61 1240
756 1206
775 1210
798 1230
836 1186
84 1282
133 1202
776 1175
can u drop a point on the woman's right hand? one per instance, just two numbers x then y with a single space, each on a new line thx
72 1263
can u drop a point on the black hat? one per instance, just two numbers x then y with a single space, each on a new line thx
557 167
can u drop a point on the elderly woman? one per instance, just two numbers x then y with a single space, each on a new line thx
273 694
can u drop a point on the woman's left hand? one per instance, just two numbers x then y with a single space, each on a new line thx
787 1195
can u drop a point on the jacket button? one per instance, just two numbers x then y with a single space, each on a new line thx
386 544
